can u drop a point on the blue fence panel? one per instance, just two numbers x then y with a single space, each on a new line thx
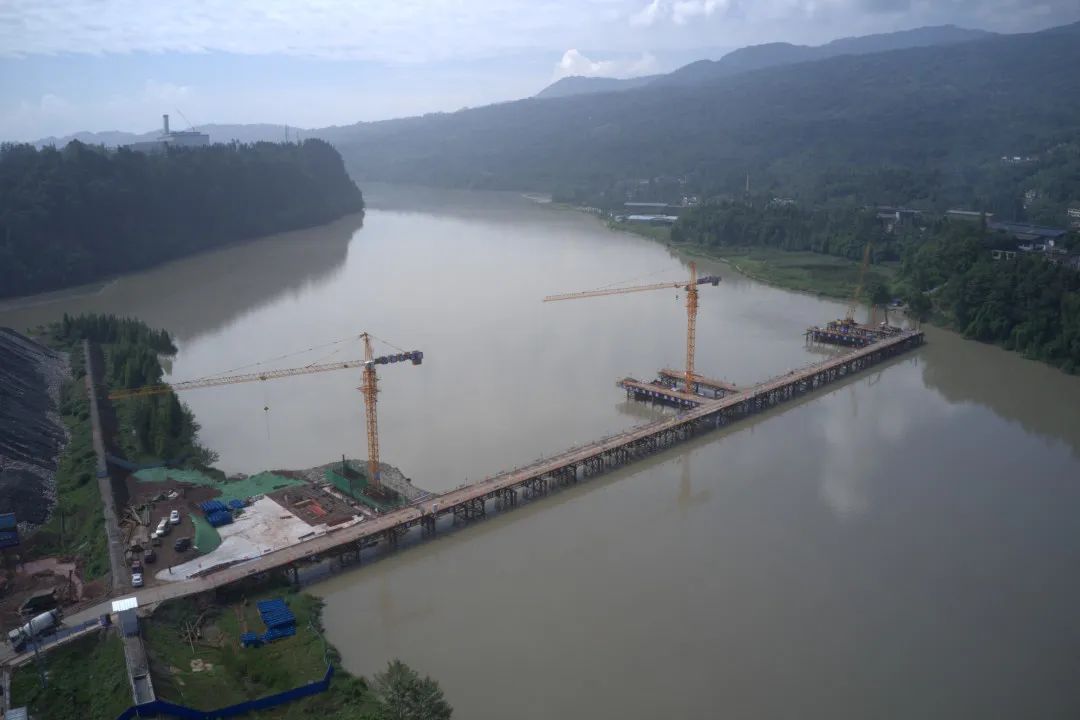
162 707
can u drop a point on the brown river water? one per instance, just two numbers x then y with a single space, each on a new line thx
904 544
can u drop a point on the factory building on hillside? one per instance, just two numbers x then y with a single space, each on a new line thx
171 138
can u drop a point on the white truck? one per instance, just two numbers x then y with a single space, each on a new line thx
37 626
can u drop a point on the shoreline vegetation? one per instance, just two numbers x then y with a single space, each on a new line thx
196 660
943 271
799 271
206 668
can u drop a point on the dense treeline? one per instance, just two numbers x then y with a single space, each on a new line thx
82 213
154 426
832 231
110 329
1027 304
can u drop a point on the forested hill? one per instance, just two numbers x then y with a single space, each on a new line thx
756 57
83 213
937 110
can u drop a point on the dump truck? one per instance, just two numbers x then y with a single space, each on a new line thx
39 625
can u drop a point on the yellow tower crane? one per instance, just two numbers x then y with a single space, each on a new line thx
691 287
369 388
849 319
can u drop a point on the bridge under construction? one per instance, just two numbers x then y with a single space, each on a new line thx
715 404
697 414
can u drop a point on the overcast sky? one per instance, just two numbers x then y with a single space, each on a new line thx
119 64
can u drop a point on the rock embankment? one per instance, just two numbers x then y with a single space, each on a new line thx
32 433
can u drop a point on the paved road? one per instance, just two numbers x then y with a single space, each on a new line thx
117 562
134 652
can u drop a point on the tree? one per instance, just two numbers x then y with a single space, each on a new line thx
403 695
880 295
920 305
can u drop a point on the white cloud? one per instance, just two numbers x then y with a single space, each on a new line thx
683 10
649 14
574 63
380 30
165 93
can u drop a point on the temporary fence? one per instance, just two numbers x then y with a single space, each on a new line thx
168 709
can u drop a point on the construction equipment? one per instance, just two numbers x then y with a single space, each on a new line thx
691 287
369 388
849 319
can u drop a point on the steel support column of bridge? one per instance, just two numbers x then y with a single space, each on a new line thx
506 498
393 535
566 475
535 487
470 510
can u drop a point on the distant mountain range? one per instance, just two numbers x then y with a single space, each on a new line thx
896 117
757 57
933 110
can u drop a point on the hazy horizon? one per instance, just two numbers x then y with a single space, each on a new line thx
68 67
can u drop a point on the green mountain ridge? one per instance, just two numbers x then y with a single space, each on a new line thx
939 109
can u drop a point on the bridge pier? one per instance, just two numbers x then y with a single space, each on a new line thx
506 498
469 510
535 487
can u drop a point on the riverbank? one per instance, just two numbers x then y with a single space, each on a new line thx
197 659
823 275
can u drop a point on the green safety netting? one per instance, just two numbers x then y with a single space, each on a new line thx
241 489
207 538
355 488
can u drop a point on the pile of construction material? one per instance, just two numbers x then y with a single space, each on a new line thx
279 620
217 513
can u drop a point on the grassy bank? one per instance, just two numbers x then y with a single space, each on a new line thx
215 671
815 273
808 272
661 233
86 679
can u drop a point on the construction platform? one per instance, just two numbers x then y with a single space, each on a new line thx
659 391
851 334
702 384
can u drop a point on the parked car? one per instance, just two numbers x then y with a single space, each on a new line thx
182 544
149 557
136 566
136 580
174 517
155 540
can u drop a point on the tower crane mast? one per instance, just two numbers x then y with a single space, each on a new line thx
369 389
691 287
849 319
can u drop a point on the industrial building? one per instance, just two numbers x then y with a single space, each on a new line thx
171 138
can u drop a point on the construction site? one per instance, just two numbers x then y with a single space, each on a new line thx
188 531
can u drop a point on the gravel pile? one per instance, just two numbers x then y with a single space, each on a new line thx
32 434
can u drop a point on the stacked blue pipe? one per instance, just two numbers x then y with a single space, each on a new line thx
276 614
219 518
279 620
211 506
